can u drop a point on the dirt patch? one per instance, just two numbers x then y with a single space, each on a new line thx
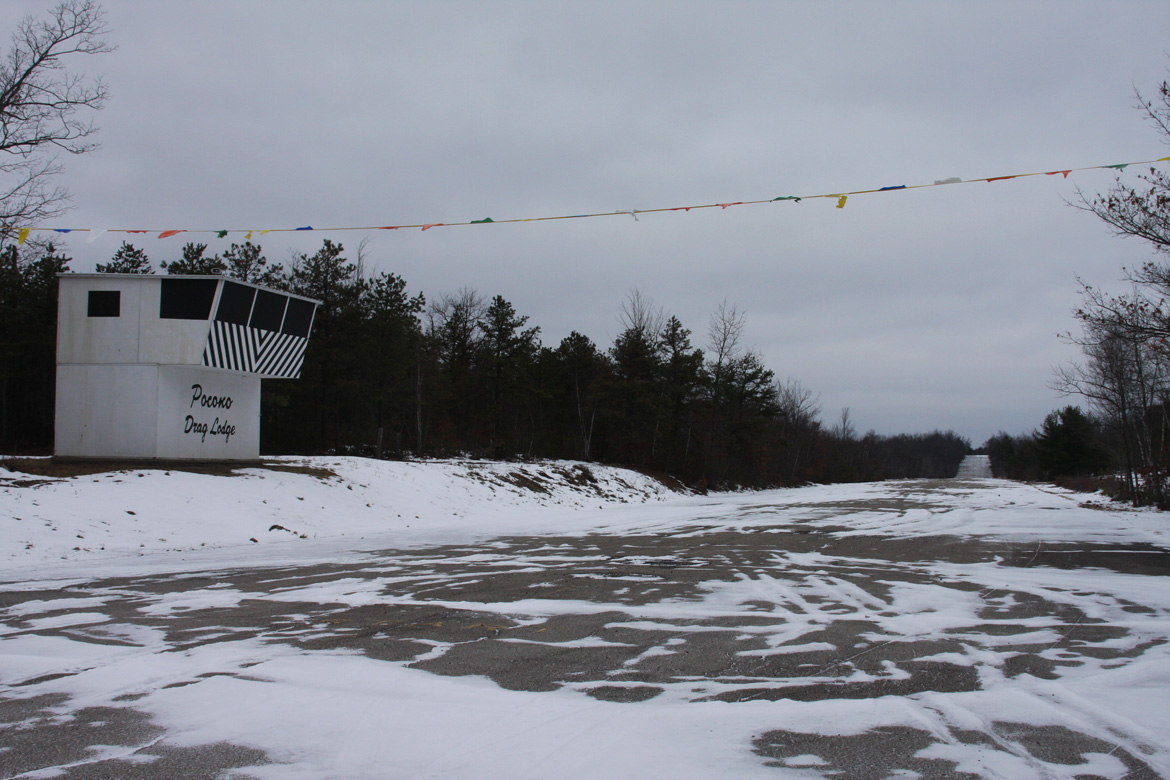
524 481
29 483
64 469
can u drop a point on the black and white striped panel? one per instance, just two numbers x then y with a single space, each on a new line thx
254 351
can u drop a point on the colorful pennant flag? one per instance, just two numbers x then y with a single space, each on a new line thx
841 198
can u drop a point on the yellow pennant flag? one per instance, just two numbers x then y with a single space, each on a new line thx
20 239
841 201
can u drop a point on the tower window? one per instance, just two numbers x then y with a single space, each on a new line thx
105 303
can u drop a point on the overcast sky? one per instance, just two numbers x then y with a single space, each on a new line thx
928 309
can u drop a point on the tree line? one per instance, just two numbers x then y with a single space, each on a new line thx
1070 447
391 373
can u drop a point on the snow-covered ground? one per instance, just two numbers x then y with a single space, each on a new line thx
476 620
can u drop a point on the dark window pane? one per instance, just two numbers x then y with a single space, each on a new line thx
268 312
299 317
235 303
105 303
187 299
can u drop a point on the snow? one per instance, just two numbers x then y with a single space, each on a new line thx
143 512
336 712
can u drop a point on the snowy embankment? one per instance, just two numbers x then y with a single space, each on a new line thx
142 512
297 509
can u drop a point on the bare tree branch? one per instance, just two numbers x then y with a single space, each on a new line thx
40 105
724 332
639 315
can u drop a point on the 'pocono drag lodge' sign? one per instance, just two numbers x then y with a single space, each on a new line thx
170 366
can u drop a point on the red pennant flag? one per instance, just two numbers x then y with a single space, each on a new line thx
169 233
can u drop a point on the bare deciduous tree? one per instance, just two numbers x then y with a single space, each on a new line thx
724 333
41 109
1125 339
641 318
1125 376
844 429
454 323
798 404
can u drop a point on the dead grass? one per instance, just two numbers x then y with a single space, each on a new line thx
668 481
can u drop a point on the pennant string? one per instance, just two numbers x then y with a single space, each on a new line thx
841 197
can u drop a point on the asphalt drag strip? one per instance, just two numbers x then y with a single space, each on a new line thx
970 634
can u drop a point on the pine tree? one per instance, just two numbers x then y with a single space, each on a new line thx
127 260
579 369
247 263
319 409
509 356
193 263
1068 445
28 320
389 345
